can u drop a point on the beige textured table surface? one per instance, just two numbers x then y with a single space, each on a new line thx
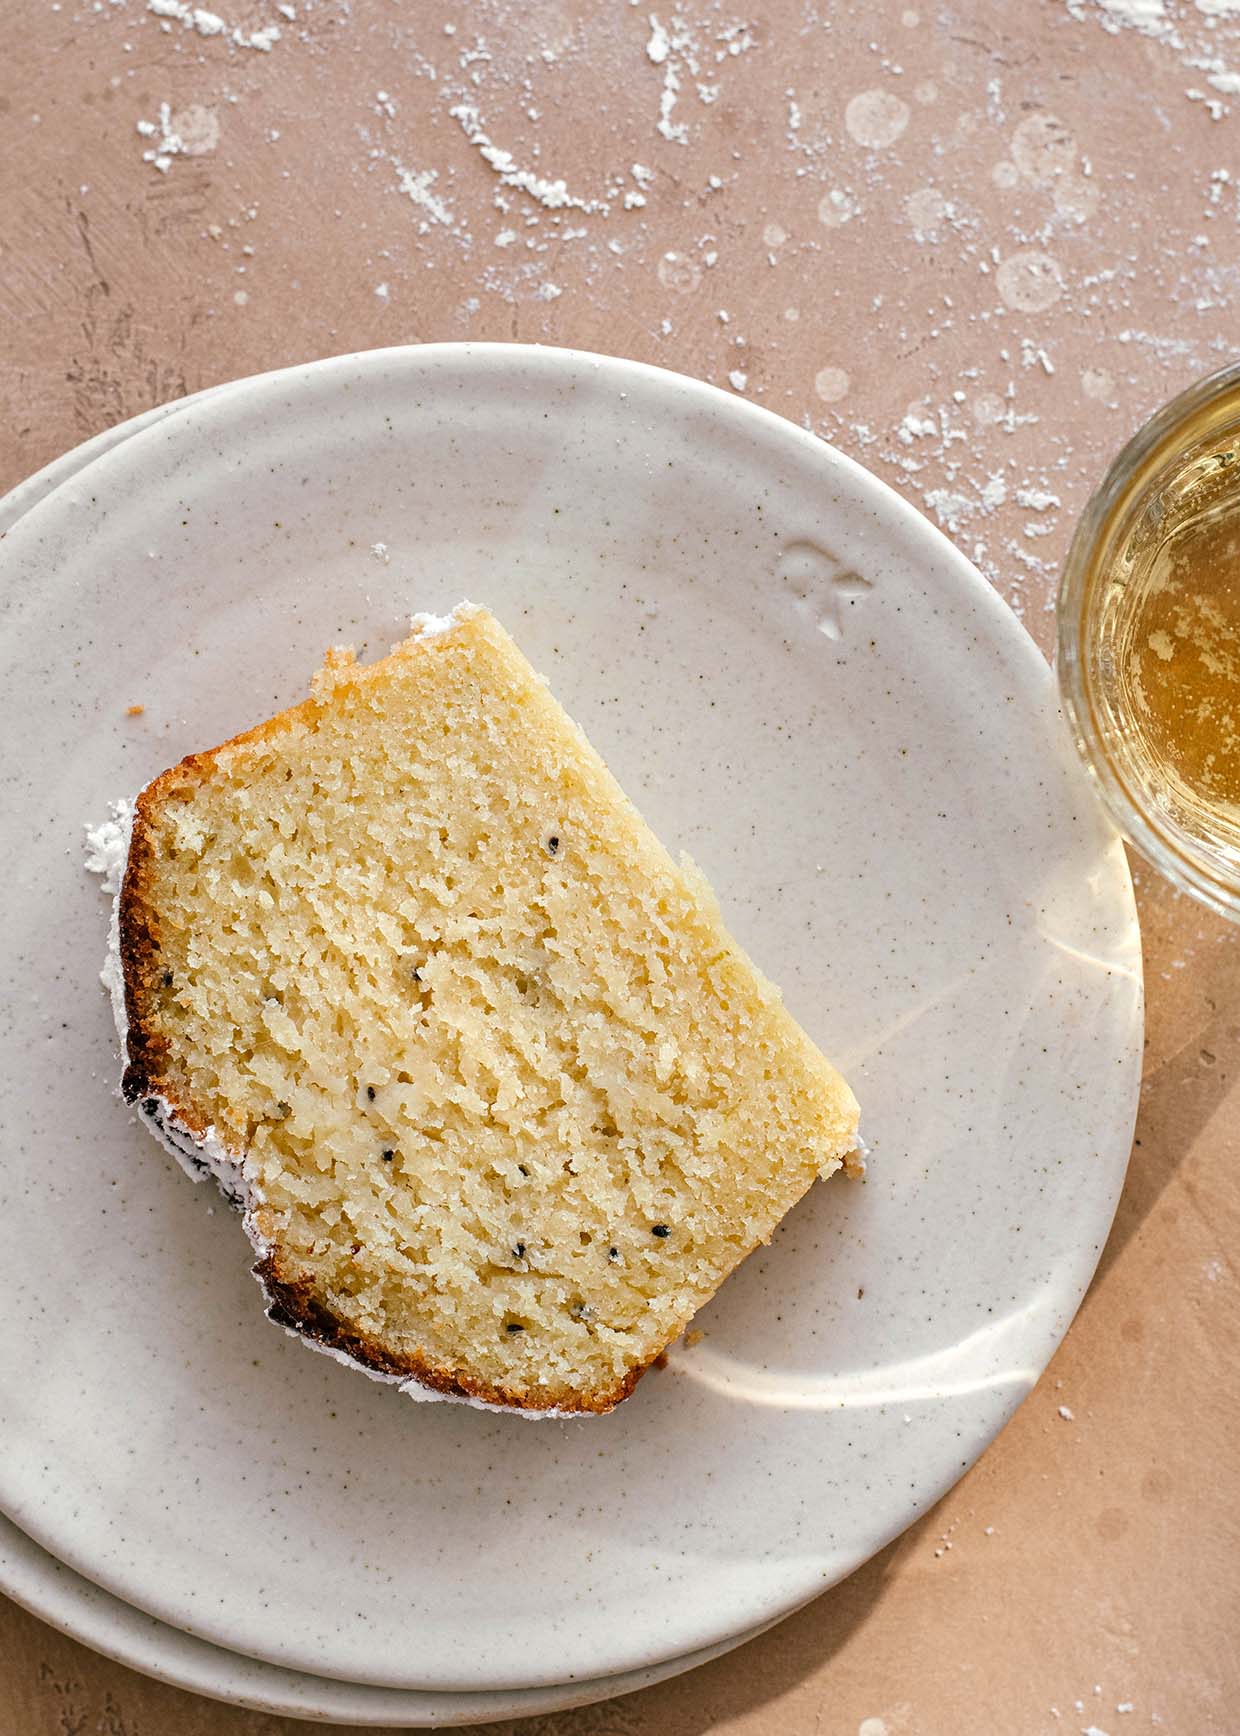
973 244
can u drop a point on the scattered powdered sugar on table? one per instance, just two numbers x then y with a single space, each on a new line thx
191 132
1187 27
1010 234
689 58
211 24
417 185
553 195
167 141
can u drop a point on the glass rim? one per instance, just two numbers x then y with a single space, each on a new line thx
1131 810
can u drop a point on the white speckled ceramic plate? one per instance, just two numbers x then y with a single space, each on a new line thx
53 1591
35 488
803 684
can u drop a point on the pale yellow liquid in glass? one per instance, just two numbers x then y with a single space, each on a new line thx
1180 679
1167 646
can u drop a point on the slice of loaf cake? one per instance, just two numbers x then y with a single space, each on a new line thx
502 1100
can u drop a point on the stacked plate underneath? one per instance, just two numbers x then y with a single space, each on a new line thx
801 683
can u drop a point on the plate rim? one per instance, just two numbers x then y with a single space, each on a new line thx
93 1613
29 491
557 355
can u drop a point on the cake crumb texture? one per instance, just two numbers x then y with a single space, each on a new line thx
511 1102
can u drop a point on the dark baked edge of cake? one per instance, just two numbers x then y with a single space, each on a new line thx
147 1049
293 1303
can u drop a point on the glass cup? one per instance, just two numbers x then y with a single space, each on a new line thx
1149 640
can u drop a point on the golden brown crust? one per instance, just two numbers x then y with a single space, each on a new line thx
293 1302
147 1049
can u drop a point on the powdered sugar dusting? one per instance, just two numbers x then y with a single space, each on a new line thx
107 845
552 194
1007 230
211 24
425 626
417 187
1185 28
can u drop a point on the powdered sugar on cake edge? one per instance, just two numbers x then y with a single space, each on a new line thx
202 1155
426 626
107 851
